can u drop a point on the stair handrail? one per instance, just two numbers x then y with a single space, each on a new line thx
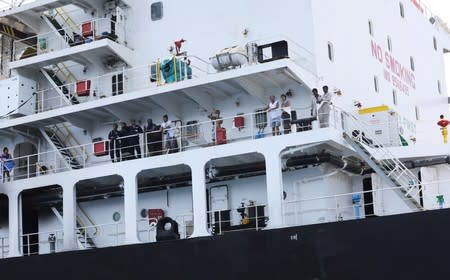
389 161
69 135
90 220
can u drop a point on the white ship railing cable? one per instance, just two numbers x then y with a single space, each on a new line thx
43 245
28 166
54 41
143 77
344 209
236 222
4 247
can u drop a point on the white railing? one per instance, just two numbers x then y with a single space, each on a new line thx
186 137
4 247
184 67
102 235
297 53
247 217
350 206
61 39
125 81
42 242
147 227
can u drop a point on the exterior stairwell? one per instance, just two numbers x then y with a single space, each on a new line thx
84 240
60 21
63 141
383 162
54 75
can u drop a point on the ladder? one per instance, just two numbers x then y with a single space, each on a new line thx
62 140
383 162
84 240
59 76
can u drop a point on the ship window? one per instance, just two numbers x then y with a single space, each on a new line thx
330 51
389 42
417 113
156 11
439 87
435 43
413 67
402 10
370 28
394 97
375 83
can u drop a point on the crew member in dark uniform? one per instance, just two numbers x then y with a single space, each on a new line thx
135 130
154 138
124 134
114 144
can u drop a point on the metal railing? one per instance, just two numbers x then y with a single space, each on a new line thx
184 67
247 217
185 137
100 236
4 247
65 38
351 206
42 242
147 227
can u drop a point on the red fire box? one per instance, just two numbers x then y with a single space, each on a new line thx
101 148
87 29
239 122
83 87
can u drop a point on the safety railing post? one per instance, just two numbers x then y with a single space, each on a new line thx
257 217
28 167
28 244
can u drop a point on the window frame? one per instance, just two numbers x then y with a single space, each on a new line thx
157 5
330 49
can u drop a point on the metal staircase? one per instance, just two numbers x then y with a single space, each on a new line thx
54 74
60 21
383 162
62 140
84 241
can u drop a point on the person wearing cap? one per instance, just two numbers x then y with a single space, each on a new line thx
324 107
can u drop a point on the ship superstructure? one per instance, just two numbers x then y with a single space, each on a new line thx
72 69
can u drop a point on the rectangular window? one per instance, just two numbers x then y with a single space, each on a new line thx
389 41
156 11
330 51
439 87
394 97
413 67
370 28
435 43
375 83
402 10
417 113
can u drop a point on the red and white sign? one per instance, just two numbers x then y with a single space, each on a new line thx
401 77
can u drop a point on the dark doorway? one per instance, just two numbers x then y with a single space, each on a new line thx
368 198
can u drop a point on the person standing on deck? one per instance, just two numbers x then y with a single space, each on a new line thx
275 115
114 144
324 107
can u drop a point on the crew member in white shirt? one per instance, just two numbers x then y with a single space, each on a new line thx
275 115
168 130
324 107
